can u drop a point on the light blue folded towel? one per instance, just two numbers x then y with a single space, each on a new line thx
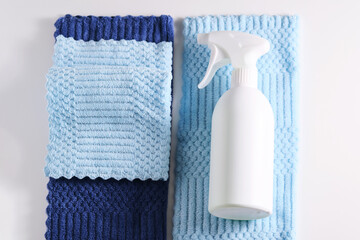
109 109
278 81
126 53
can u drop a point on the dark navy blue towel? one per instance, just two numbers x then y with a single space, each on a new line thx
150 29
106 209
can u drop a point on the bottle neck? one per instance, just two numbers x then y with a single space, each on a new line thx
245 77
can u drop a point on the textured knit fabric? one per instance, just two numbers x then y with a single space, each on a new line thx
106 209
127 53
150 29
96 208
278 81
109 109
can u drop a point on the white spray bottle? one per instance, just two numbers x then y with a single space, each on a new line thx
242 134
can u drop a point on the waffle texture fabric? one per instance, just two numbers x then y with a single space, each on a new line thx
106 209
97 208
141 28
109 109
278 81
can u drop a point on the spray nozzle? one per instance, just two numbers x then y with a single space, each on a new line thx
240 49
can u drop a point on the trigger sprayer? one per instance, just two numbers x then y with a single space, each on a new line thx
242 133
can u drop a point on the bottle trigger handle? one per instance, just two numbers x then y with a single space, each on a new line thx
218 59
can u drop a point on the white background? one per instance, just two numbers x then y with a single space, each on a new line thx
328 192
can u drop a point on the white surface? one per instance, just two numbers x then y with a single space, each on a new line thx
329 180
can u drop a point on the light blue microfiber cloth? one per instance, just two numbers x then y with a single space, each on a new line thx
109 109
278 81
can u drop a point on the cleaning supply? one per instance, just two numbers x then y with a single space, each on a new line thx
278 81
116 109
106 209
117 70
140 28
242 135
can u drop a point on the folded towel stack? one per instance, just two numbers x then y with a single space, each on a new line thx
109 103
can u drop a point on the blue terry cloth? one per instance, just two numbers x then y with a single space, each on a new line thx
109 109
106 209
278 81
127 53
150 29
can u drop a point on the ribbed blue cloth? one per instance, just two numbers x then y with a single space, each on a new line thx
278 81
127 53
96 208
106 209
150 29
109 109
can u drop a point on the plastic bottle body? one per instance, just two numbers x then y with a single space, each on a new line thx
242 155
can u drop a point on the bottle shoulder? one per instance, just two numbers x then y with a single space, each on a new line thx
243 94
243 97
